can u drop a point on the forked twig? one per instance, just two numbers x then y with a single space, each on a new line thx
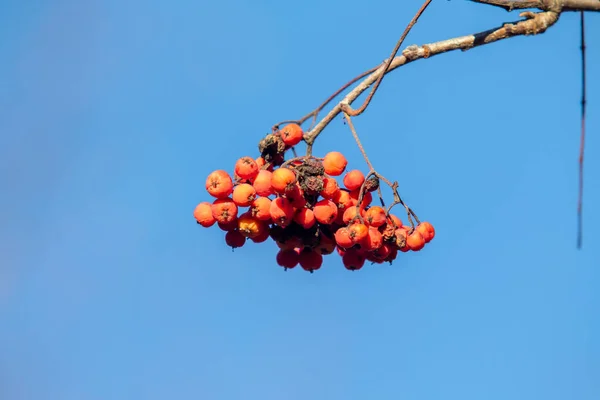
346 108
315 113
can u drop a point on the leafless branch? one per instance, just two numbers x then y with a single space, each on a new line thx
581 5
582 140
534 23
510 5
545 5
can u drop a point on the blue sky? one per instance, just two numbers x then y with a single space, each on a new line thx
112 113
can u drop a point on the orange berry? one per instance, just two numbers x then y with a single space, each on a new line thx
291 134
246 168
219 184
237 179
305 217
224 210
354 179
358 232
295 195
282 179
203 214
343 199
339 220
373 241
244 194
261 208
262 183
281 211
367 198
325 211
260 162
330 188
310 260
351 214
415 241
342 238
380 254
249 227
375 216
263 235
288 258
234 239
334 163
427 230
395 221
353 260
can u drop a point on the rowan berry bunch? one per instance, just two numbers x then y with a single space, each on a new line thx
300 204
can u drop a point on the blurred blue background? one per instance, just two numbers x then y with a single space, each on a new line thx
112 113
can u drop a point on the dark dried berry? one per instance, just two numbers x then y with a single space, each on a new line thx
400 239
271 146
388 232
312 184
372 184
313 167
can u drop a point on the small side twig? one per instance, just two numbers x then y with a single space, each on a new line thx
356 138
582 137
315 113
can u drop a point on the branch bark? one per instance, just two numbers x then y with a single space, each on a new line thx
533 24
546 5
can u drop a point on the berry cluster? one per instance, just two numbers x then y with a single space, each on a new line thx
299 204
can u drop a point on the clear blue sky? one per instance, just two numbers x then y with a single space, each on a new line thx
113 112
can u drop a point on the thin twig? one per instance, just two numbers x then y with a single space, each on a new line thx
360 146
315 113
535 23
582 139
510 5
354 112
372 172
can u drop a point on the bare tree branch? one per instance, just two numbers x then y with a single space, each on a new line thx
544 5
535 23
581 5
510 5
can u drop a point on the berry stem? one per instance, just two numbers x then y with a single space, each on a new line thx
360 146
372 172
